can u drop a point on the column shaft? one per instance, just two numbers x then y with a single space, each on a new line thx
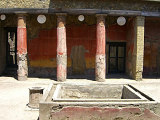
22 48
61 48
138 52
100 51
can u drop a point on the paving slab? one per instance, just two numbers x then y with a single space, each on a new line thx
150 89
15 97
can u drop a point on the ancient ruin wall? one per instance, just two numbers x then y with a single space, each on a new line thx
42 43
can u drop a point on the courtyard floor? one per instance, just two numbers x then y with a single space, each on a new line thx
14 95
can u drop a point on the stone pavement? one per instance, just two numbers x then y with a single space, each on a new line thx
14 95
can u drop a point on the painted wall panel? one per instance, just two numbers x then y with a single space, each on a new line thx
81 47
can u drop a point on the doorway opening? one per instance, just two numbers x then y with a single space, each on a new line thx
11 51
117 57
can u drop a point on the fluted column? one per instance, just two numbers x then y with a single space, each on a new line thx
100 51
22 48
61 48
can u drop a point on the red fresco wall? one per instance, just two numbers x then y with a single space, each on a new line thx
80 38
151 48
44 46
42 50
116 33
130 46
97 113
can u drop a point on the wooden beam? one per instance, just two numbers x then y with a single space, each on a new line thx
151 14
122 12
79 11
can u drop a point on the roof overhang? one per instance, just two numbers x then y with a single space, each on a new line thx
78 11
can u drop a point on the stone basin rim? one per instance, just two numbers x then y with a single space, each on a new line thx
142 98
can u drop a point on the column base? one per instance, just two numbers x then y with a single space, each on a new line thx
61 79
100 68
61 67
22 78
138 76
100 80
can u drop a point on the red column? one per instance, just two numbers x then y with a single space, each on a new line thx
61 48
100 51
22 48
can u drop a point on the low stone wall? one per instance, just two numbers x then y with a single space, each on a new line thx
50 110
99 113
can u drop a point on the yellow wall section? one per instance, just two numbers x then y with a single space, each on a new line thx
43 63
90 63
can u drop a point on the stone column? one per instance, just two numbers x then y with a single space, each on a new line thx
22 48
61 48
138 52
100 51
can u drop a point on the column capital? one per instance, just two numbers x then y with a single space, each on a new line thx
21 14
21 21
101 19
140 21
61 14
61 19
101 15
140 18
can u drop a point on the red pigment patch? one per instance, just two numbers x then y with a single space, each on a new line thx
96 113
21 40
